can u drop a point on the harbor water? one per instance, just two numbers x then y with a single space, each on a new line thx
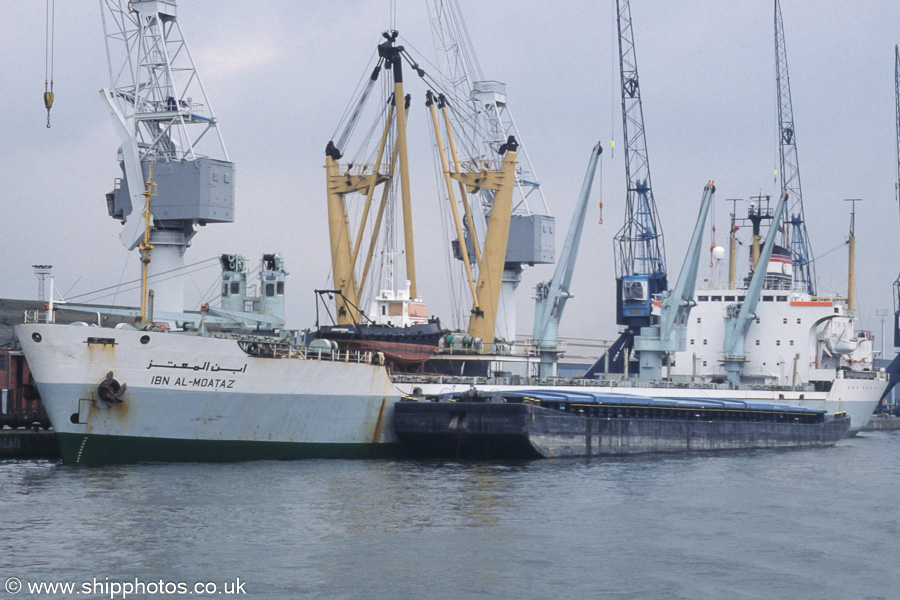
821 523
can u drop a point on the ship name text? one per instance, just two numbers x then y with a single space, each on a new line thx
201 382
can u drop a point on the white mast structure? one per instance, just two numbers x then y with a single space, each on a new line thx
486 123
163 117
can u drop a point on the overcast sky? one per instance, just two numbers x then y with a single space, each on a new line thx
279 75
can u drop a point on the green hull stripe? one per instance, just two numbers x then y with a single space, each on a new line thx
103 449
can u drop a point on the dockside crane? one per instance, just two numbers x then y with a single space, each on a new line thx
801 253
640 261
165 123
551 296
639 248
656 342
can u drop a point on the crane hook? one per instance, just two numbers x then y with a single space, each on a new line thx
48 57
48 102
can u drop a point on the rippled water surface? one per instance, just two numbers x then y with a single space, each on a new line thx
796 524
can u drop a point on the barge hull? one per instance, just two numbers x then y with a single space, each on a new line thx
524 431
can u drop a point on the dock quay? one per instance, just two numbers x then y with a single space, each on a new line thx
882 423
28 443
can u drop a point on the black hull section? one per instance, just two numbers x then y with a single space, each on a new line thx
428 333
404 348
478 430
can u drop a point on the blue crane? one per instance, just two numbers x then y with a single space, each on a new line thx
740 316
801 253
640 261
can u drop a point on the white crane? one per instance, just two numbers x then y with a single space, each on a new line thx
163 117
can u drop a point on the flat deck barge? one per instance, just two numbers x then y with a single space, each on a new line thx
529 424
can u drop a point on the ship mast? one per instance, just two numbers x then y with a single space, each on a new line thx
392 61
348 178
484 124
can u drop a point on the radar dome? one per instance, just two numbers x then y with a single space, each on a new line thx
718 253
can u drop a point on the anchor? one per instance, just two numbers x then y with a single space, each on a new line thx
110 390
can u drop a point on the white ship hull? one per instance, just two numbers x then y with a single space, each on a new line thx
199 398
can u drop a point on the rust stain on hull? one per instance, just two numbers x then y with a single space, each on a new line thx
379 423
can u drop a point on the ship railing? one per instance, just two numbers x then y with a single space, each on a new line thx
344 356
359 170
36 315
533 348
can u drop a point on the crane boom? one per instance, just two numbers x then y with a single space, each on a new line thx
485 123
740 316
656 341
640 261
801 253
551 296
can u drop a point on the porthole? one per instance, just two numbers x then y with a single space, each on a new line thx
145 339
36 336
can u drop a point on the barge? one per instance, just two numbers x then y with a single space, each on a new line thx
539 423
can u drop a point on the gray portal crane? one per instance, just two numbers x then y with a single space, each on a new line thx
551 296
668 335
163 118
